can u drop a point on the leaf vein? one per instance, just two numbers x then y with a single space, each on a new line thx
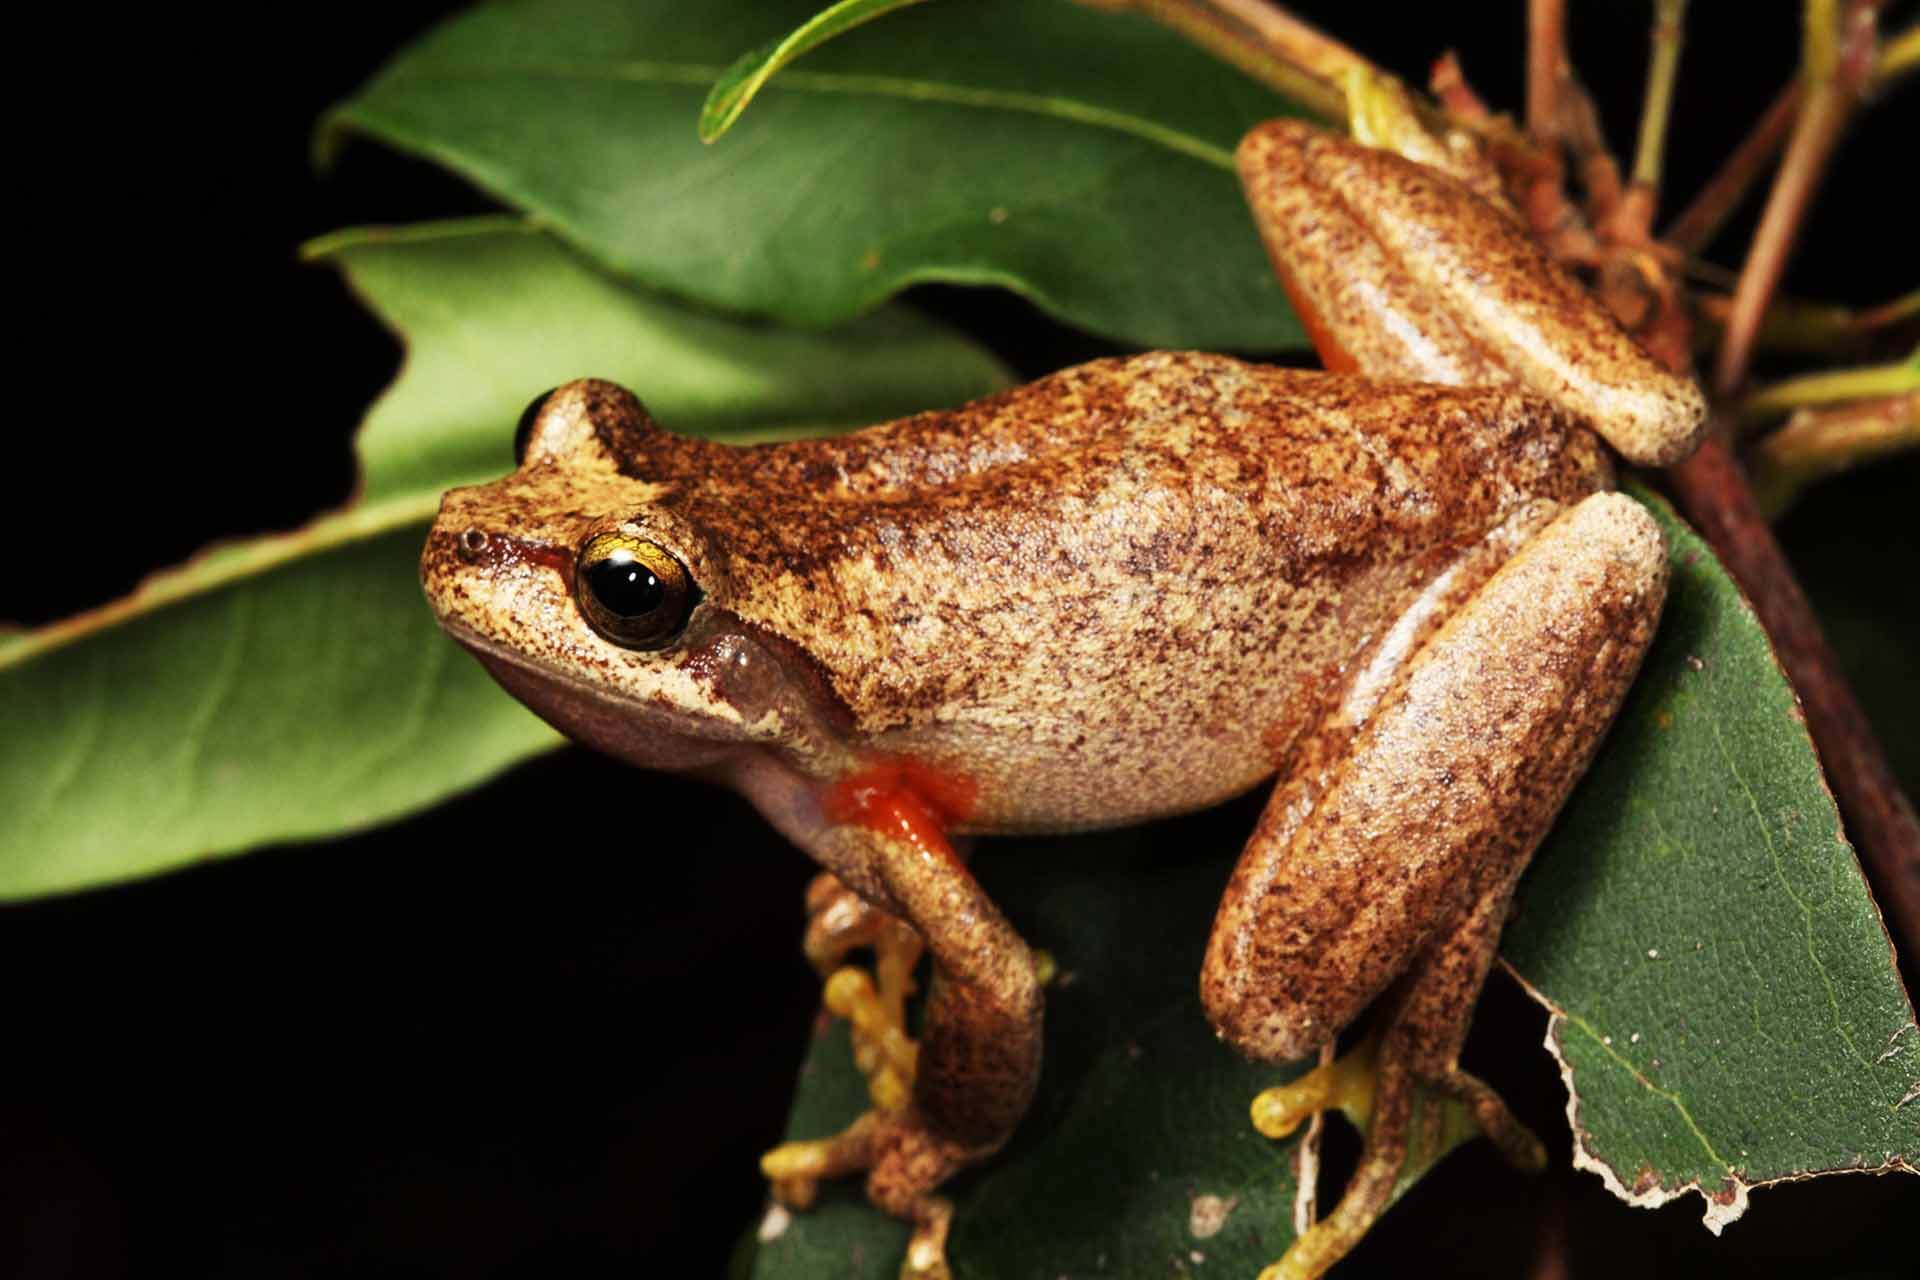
1670 1098
1786 883
221 682
901 88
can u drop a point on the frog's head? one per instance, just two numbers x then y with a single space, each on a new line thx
589 595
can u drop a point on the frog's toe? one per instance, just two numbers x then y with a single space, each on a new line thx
1410 1122
882 1050
927 1251
794 1170
1345 1084
903 1161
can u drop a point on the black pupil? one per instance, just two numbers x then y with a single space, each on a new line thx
624 586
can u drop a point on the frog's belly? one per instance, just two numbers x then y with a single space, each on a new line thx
1114 739
1109 734
1021 787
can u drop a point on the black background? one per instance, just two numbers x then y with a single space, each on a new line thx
546 1029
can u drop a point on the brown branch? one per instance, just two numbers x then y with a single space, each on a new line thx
1546 67
1819 328
1265 42
1695 228
1714 492
1814 136
1839 64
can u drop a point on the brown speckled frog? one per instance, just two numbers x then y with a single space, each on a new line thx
1134 588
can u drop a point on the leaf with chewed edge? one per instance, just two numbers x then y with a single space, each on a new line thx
296 686
1725 1006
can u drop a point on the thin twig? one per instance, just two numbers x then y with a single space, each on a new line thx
1546 67
1834 386
1695 228
1814 327
1265 42
1835 72
1899 55
1669 32
1817 443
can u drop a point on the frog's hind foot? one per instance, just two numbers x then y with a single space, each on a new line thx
1410 1122
902 1161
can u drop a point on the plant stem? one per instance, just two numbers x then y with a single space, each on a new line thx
1833 386
1694 229
1899 55
1669 30
1811 326
1546 67
1818 443
1265 42
1834 72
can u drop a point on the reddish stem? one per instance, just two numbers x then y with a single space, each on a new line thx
1693 229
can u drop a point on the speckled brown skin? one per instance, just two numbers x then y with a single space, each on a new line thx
1130 589
1415 277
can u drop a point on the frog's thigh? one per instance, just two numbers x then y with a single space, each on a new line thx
1397 847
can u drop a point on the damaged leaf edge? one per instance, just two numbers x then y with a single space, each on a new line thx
1650 1189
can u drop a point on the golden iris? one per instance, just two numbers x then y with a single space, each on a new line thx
634 592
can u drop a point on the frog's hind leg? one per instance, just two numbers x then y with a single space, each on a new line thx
1386 861
955 1096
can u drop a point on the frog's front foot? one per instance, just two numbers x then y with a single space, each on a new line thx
903 1161
939 1104
1409 1122
874 1005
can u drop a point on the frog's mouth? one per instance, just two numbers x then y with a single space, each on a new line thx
648 732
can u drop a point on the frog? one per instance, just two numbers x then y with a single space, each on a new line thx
1401 592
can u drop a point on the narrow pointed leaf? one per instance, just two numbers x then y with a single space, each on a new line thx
1080 157
733 91
296 686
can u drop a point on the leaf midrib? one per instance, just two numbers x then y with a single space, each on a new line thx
901 88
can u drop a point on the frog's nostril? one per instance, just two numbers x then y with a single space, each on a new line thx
473 544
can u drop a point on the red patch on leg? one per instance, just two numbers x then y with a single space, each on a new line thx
904 799
1333 357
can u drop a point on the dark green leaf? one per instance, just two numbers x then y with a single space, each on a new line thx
296 686
1082 158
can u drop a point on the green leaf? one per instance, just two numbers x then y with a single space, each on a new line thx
296 686
1081 158
1768 1036
1725 1004
733 91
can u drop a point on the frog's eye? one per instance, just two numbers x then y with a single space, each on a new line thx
523 430
632 591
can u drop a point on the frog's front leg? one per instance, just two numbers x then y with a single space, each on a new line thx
1386 861
972 1074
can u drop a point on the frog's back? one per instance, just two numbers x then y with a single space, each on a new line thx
1133 582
